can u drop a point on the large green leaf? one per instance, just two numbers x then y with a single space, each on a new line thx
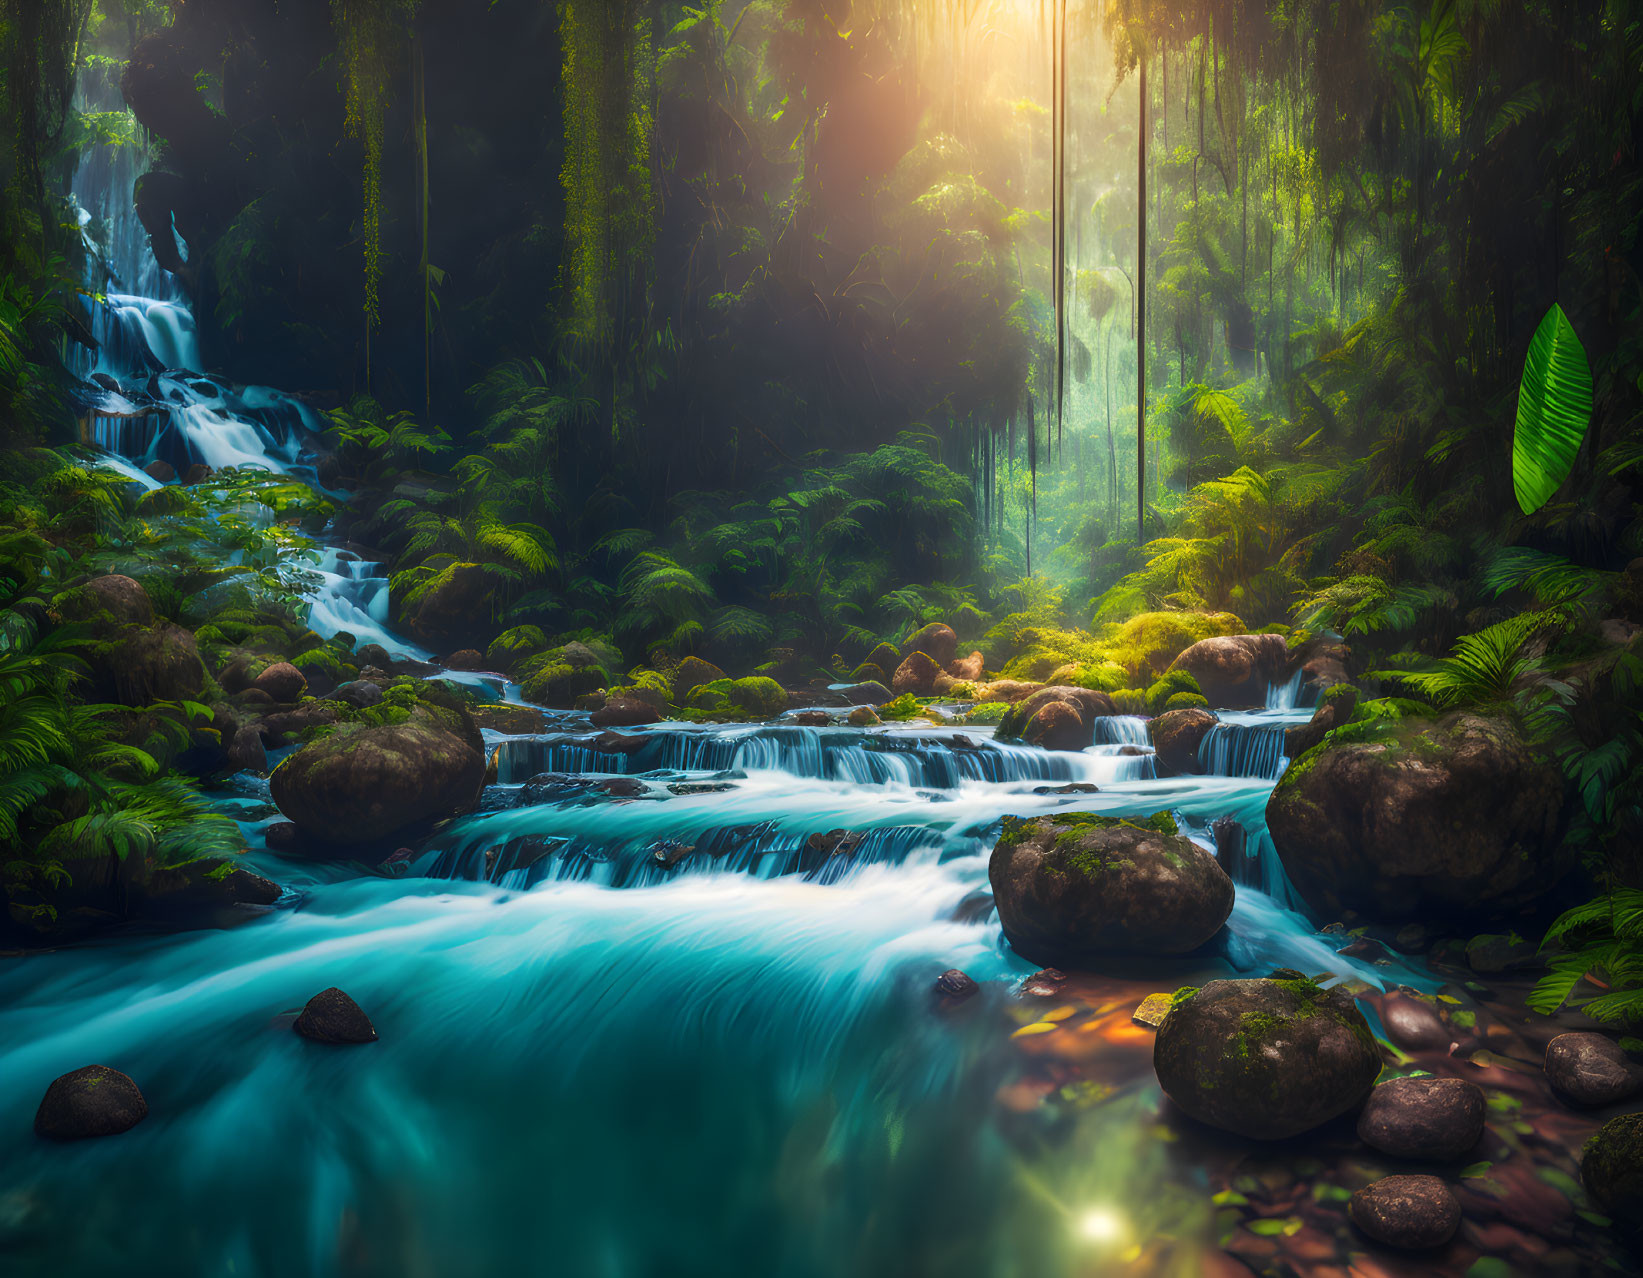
1554 406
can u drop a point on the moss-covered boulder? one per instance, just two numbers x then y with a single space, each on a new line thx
509 651
142 664
936 641
1408 818
1267 1059
755 697
1612 1168
453 608
559 676
917 674
1176 735
364 782
692 673
1057 718
1236 670
115 598
1074 888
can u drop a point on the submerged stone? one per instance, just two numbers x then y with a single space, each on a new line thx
1433 1118
1587 1068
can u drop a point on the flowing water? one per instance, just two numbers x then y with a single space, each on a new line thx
655 1012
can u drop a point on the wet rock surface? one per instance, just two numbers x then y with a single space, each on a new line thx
331 1016
1267 1059
1176 736
93 1101
1056 718
1074 888
1413 1213
1437 1119
1586 1068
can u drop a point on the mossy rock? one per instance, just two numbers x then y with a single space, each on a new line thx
1612 1168
938 641
754 697
692 673
1267 1059
1057 718
1148 642
1409 818
512 648
550 679
1076 888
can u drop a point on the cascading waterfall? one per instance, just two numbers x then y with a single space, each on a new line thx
1243 750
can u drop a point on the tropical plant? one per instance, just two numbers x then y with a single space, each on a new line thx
1554 408
1604 947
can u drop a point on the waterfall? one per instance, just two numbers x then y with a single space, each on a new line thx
1243 750
1286 695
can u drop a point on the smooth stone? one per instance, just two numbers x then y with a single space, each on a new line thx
1410 1212
1431 1118
332 1017
282 681
956 986
1587 1068
1414 1024
358 693
93 1101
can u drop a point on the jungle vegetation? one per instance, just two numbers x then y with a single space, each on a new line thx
768 332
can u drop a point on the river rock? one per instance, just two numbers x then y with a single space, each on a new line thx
360 784
916 674
1176 735
1236 670
624 712
1427 1118
1334 711
1587 1068
454 608
866 694
1073 888
936 641
1056 718
955 986
282 681
1266 1059
1410 1212
359 693
1495 952
1612 1168
966 669
116 596
693 672
1412 1024
144 664
332 1017
863 717
161 471
93 1101
246 752
1415 818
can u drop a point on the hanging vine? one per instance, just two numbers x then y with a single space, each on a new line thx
366 31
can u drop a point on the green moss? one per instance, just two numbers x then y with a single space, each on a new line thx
1186 701
1069 827
987 712
1169 684
902 708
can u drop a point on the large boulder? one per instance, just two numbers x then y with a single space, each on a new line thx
1073 888
1323 665
361 784
122 598
966 669
936 641
454 609
1612 1168
559 676
1409 818
282 681
1268 1059
1236 670
1176 735
1057 718
93 1101
693 672
917 675
624 712
144 664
